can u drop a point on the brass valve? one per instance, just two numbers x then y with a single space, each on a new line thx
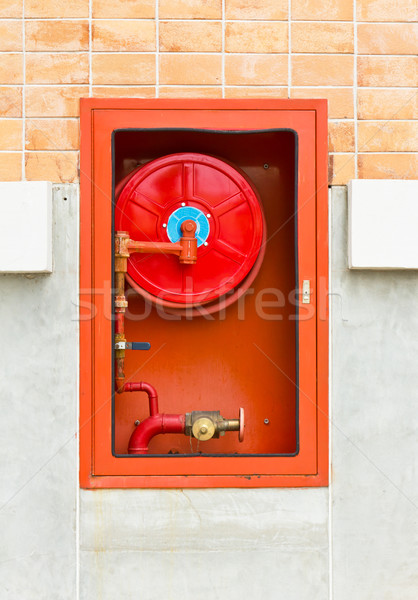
204 424
203 429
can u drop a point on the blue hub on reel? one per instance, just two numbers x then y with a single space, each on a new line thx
185 213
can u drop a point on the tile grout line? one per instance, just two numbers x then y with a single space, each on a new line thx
23 175
90 48
207 53
355 90
223 50
214 85
157 48
289 47
204 20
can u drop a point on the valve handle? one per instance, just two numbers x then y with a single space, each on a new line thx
241 425
138 345
132 346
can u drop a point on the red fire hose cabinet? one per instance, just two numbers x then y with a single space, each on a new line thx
203 293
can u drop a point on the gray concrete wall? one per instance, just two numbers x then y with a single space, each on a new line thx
39 396
211 544
58 543
374 426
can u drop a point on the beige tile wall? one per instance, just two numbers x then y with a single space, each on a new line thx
360 54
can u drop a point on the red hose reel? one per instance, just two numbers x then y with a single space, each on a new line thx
152 204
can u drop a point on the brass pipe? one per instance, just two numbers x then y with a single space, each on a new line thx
121 267
154 248
230 425
186 250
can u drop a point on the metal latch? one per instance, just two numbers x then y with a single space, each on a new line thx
132 346
306 291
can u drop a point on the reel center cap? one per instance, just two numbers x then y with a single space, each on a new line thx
185 213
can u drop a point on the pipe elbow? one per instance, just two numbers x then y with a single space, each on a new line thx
152 426
143 386
144 432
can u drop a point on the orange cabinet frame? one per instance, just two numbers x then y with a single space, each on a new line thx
304 461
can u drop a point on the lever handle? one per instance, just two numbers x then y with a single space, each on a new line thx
138 345
132 346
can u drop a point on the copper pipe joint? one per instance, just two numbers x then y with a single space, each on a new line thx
121 244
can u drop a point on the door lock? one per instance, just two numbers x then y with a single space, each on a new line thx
306 292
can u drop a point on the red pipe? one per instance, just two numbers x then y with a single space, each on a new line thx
142 386
152 426
120 322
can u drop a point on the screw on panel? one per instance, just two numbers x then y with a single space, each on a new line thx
205 243
164 224
266 421
183 204
266 165
208 216
137 422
